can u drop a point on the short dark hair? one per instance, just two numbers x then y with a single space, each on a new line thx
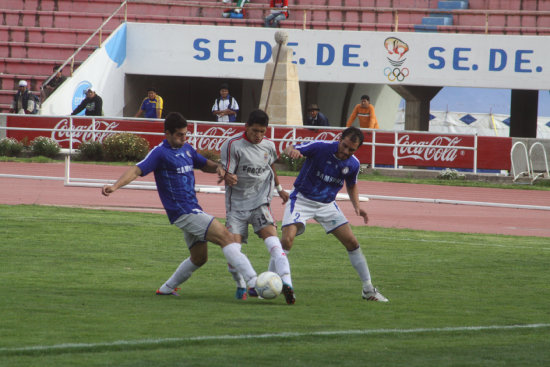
224 86
174 121
151 89
354 135
257 117
55 67
364 96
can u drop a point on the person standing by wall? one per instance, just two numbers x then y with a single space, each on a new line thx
225 107
92 103
24 102
151 106
315 117
365 112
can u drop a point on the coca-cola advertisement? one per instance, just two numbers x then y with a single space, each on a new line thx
418 149
402 148
84 129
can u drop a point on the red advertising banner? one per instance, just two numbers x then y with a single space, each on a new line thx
404 148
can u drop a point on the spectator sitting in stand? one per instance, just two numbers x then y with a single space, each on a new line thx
279 11
92 103
54 83
237 12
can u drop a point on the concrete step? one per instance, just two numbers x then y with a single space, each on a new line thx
50 35
29 66
29 50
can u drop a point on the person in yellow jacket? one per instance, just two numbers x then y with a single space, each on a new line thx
365 112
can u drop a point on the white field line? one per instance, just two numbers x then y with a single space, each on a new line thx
408 239
83 182
144 342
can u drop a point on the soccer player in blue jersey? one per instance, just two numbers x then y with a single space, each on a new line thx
327 167
172 162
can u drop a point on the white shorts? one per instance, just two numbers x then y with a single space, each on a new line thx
194 226
238 220
301 209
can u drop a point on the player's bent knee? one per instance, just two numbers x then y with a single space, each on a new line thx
287 243
199 260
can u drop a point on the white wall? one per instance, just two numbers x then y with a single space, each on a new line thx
103 71
433 59
373 59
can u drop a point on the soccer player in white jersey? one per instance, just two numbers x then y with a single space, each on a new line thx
172 162
327 167
250 178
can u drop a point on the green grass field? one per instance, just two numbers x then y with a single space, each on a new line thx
77 289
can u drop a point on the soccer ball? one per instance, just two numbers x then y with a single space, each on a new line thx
269 285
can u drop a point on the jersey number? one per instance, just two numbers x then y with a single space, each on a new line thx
262 220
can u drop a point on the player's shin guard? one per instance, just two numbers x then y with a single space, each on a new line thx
239 261
359 262
278 259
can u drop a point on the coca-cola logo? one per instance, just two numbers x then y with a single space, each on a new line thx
213 138
97 130
438 149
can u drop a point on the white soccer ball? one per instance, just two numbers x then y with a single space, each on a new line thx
269 285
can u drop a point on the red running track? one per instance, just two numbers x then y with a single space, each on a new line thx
383 213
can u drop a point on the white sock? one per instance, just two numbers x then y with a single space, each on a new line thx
237 277
278 258
359 262
182 273
271 267
239 261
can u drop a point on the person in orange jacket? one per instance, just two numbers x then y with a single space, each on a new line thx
365 112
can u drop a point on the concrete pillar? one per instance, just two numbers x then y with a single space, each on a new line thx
417 109
523 113
282 97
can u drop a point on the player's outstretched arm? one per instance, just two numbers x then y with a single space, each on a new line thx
128 176
214 167
292 152
353 193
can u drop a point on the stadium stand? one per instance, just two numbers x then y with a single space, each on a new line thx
37 34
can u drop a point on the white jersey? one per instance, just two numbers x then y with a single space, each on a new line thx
252 165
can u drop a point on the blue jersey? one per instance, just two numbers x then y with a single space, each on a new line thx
174 177
322 174
151 106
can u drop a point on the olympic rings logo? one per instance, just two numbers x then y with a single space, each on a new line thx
396 74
